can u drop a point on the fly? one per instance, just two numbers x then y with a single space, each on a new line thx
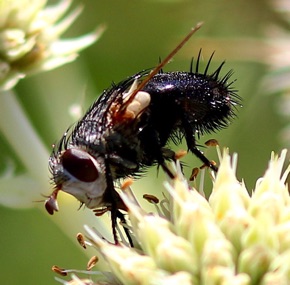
127 129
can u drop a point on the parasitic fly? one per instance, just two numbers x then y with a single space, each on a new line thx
128 127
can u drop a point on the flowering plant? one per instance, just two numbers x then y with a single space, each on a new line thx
230 238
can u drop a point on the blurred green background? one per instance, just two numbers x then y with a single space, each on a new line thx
138 33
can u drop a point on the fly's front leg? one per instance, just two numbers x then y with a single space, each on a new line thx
112 198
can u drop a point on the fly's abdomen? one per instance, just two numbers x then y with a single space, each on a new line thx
203 101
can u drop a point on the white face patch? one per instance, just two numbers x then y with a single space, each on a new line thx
87 191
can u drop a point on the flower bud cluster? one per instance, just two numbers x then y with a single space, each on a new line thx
231 238
30 38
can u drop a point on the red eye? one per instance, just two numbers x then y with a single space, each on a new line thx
79 164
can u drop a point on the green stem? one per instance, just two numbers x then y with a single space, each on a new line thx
21 136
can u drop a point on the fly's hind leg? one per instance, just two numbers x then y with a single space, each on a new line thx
162 163
158 153
198 153
191 144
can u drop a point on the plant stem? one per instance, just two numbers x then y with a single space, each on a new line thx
21 136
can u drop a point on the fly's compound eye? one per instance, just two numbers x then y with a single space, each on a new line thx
79 164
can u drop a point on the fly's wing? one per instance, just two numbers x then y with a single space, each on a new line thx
114 109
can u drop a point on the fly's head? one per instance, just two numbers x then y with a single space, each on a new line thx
78 173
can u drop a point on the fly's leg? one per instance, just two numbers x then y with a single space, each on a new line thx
161 154
191 144
121 216
112 197
198 153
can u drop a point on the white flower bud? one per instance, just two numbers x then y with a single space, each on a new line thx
29 38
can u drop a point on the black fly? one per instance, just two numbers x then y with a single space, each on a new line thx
127 129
